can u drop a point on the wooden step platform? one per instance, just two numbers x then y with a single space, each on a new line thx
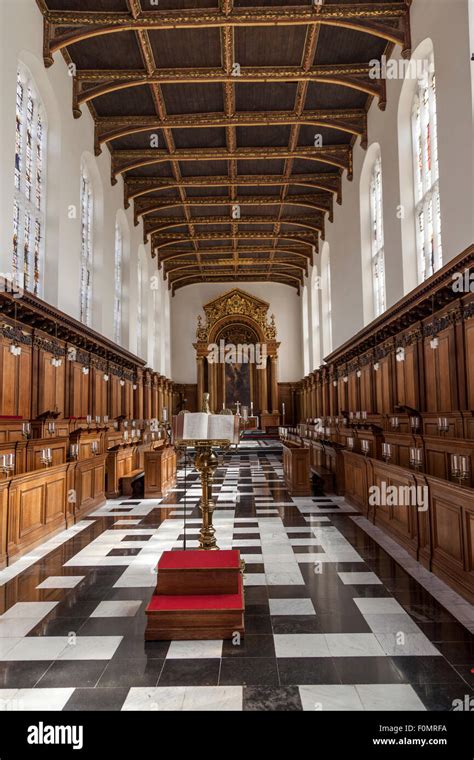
199 572
199 595
195 616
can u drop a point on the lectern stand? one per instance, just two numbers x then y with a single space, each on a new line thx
206 463
199 594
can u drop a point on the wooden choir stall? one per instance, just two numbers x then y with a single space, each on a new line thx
393 408
78 417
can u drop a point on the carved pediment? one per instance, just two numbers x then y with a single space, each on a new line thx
237 303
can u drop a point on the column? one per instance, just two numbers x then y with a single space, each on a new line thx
313 396
274 384
200 381
212 386
263 387
160 399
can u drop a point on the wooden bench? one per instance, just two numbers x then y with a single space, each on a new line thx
128 481
324 478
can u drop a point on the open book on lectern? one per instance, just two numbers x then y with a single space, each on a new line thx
200 426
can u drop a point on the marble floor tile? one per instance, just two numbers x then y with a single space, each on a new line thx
389 697
117 609
90 648
61 581
195 649
30 610
301 645
254 579
291 607
380 606
212 698
353 645
355 579
407 644
330 697
36 699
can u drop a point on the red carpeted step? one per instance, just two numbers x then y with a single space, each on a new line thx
195 616
191 602
195 559
198 572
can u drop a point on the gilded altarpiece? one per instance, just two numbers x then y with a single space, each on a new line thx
237 354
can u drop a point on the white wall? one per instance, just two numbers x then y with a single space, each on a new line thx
68 142
447 24
284 303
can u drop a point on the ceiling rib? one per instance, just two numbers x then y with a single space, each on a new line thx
189 247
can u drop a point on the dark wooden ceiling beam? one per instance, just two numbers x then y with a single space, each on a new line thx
233 277
356 76
351 121
123 161
388 21
151 225
225 261
320 202
160 240
135 8
293 253
281 267
330 182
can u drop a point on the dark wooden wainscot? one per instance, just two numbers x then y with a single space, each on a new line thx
37 508
160 471
440 534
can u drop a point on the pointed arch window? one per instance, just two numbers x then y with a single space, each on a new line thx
30 185
426 172
87 217
118 282
377 238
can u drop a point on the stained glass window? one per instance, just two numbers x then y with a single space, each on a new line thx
426 171
29 197
377 238
87 216
118 283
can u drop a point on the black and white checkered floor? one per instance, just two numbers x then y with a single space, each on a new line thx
333 622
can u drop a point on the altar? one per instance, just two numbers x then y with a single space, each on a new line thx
237 355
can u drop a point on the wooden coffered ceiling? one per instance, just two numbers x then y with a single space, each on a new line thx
231 124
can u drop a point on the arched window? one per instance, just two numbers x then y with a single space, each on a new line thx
426 174
156 324
326 301
377 238
30 186
305 318
139 306
87 217
315 327
118 282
